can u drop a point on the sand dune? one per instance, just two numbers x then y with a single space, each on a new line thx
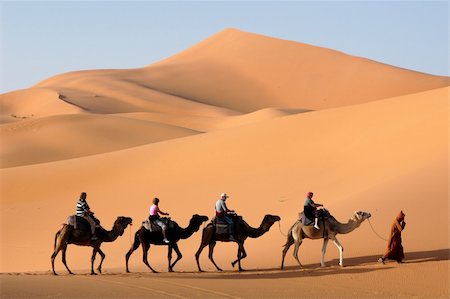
363 157
261 71
238 71
69 136
208 123
33 103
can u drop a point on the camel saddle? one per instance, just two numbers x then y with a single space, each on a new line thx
309 221
222 226
80 223
153 227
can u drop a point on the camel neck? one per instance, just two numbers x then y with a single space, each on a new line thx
189 230
113 234
345 228
256 232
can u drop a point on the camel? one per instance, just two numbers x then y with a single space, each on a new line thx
329 228
242 232
82 237
145 237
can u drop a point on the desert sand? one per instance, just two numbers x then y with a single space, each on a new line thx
263 119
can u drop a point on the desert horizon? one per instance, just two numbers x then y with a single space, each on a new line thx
265 120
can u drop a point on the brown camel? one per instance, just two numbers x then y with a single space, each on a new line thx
329 228
242 232
82 237
174 234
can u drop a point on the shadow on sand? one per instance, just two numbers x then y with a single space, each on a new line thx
353 265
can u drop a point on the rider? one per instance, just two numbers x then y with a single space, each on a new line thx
154 217
222 211
84 211
310 208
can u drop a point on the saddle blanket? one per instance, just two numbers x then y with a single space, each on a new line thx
323 214
151 226
220 225
77 221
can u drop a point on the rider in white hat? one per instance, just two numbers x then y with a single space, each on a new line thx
222 210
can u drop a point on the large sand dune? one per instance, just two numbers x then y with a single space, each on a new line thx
263 119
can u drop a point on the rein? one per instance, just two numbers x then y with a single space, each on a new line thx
279 226
368 219
131 233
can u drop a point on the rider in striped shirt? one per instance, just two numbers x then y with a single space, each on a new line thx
84 211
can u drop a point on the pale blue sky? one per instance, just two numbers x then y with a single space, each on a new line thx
43 39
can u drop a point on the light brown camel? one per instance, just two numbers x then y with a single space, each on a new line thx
329 228
242 232
82 237
174 234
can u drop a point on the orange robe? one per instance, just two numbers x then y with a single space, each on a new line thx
394 249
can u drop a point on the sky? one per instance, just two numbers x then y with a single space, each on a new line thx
39 40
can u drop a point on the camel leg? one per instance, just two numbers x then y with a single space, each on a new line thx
341 251
145 248
64 249
55 253
101 261
241 255
297 244
169 256
210 255
197 255
285 250
94 253
135 246
206 239
324 249
179 256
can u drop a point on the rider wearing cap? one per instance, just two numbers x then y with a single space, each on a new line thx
222 210
310 209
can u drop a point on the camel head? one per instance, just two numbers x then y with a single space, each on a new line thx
361 216
199 218
271 219
122 222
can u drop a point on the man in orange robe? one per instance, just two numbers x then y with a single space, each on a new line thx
394 249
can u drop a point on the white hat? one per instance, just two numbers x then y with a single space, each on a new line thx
224 195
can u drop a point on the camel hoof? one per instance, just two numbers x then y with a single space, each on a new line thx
219 269
170 270
71 273
242 270
93 273
54 273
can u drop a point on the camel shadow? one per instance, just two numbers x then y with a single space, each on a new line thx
410 257
355 265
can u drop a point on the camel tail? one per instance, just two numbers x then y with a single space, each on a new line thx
56 238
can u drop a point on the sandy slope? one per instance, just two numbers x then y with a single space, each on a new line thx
63 137
247 72
364 157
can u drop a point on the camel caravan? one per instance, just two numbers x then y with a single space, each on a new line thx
84 229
